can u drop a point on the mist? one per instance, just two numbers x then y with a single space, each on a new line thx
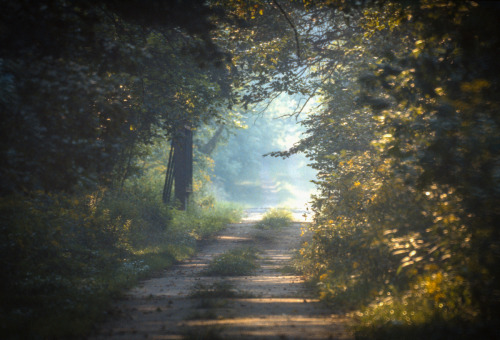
245 174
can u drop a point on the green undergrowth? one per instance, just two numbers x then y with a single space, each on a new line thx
206 222
235 262
432 303
64 258
437 306
275 219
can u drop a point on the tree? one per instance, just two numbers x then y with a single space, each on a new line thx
406 145
86 82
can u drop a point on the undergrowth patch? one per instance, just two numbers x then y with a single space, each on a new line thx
275 219
66 257
235 262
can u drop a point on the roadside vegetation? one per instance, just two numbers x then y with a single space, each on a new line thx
275 219
234 262
406 227
402 127
65 257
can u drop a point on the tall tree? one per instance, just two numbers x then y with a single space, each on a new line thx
87 81
406 145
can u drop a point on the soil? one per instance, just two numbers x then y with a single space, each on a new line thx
270 304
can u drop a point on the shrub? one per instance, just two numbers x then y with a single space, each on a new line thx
235 262
275 219
201 222
64 257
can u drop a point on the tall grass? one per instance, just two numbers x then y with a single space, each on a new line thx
275 219
64 258
234 262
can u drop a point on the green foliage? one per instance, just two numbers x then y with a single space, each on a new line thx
275 218
203 222
79 107
405 141
235 262
436 304
64 257
406 212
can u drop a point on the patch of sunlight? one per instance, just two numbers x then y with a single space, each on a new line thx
248 183
275 280
265 325
277 300
233 238
147 250
256 214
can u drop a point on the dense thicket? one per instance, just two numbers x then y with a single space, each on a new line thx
406 145
86 83
405 139
90 92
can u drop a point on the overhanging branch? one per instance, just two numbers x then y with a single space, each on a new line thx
287 17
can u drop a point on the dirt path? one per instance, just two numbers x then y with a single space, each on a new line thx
267 305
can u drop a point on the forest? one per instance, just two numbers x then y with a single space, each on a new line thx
379 113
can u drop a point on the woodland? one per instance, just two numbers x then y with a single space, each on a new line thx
396 101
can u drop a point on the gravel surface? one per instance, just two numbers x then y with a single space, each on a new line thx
270 304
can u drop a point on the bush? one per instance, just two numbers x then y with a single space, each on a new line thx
65 257
275 219
202 222
235 262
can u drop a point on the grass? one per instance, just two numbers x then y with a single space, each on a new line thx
66 257
289 269
275 219
204 223
235 262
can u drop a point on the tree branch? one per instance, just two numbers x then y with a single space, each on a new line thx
291 25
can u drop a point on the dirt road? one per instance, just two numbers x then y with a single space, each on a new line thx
270 304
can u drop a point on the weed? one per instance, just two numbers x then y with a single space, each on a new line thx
275 219
289 269
65 257
202 223
235 262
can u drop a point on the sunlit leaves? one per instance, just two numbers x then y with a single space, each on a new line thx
418 176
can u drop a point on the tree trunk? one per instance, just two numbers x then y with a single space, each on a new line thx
183 166
209 147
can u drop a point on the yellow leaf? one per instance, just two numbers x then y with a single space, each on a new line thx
261 12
